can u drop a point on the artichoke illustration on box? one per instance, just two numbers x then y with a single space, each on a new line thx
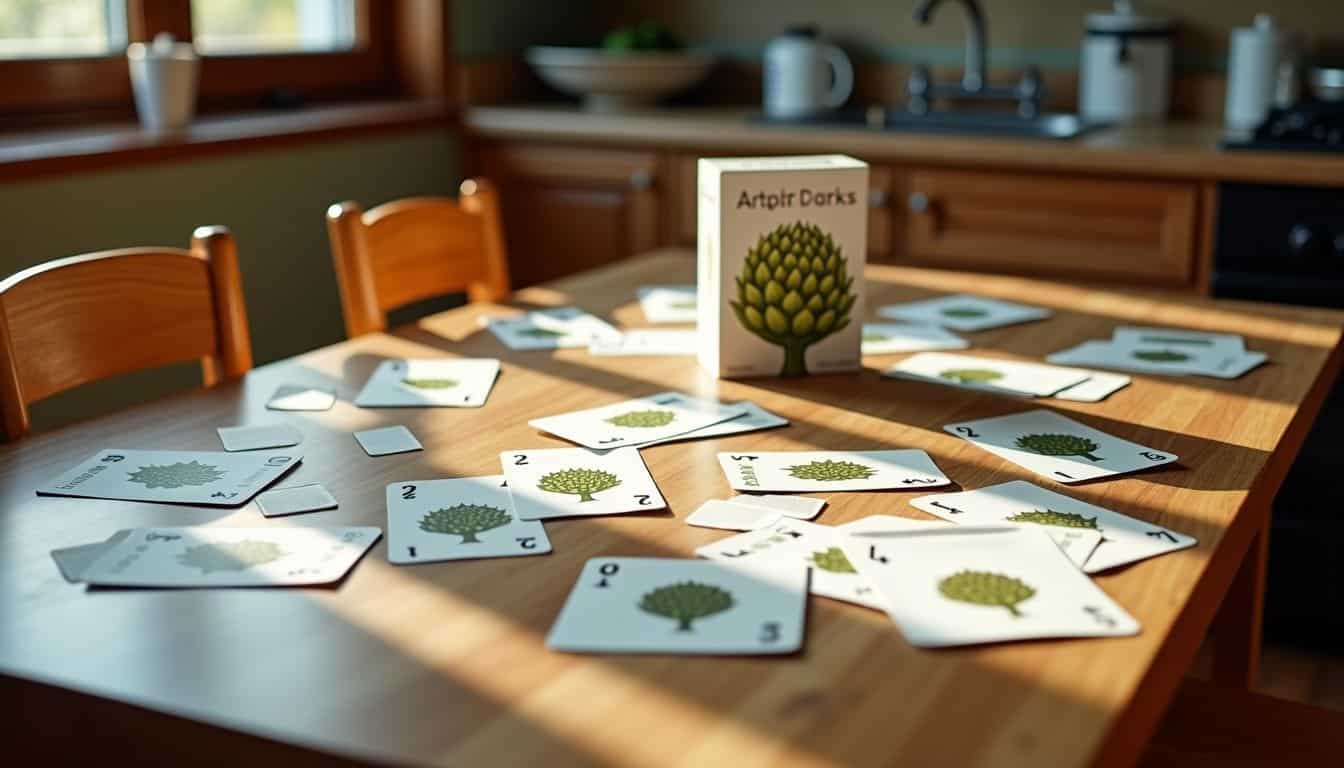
579 482
176 475
465 520
643 419
1059 445
230 555
985 588
782 245
686 601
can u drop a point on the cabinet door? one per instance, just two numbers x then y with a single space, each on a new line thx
1134 231
567 209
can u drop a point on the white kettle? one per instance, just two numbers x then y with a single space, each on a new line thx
804 75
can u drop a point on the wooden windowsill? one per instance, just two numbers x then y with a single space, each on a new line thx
32 154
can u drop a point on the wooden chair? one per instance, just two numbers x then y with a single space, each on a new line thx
414 249
72 321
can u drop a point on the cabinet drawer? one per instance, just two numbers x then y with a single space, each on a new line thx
1051 225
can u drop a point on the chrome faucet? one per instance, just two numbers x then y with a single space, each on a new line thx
921 90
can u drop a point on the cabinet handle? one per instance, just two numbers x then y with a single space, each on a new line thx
919 202
641 179
878 198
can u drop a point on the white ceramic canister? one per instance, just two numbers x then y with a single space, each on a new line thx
163 78
1255 55
805 75
1126 64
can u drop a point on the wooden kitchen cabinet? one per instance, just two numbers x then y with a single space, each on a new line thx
1099 228
567 209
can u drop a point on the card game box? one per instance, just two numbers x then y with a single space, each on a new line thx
781 249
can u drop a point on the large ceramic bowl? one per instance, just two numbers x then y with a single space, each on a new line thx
615 80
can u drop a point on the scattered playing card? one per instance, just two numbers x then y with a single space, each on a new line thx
463 383
563 482
1122 539
985 373
211 478
648 342
460 519
639 421
895 338
889 524
797 507
255 437
292 397
731 516
786 545
231 557
655 605
668 303
794 471
1170 360
983 588
754 419
72 561
387 440
551 329
295 500
964 312
1096 388
1136 336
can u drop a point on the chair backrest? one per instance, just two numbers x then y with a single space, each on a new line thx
414 249
72 321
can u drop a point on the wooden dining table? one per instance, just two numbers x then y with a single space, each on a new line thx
446 663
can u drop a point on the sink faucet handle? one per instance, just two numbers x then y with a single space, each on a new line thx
917 87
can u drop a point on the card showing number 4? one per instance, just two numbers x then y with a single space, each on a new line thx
567 482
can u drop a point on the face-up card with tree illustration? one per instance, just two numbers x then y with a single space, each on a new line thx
964 312
668 303
459 519
231 557
988 587
1058 447
636 422
565 482
551 329
803 471
1121 539
977 372
786 544
429 383
211 478
1178 338
657 605
897 338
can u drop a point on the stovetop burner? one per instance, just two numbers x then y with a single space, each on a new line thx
1309 126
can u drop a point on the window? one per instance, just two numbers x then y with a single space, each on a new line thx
60 28
272 26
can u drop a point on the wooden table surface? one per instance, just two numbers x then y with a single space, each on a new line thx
445 663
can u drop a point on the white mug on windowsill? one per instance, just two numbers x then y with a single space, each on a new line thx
163 77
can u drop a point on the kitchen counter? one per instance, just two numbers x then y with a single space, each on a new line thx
1163 150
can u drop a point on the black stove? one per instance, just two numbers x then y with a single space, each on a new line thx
1309 126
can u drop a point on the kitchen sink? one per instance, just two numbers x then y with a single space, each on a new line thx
1049 125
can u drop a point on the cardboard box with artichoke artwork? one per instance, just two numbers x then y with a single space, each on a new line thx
781 248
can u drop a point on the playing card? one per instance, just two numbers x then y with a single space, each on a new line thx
786 545
231 557
1171 360
795 471
460 519
293 397
894 338
656 605
387 440
753 419
463 383
637 422
668 303
889 524
964 312
294 500
257 436
210 478
797 507
989 587
1137 336
1058 447
1097 387
987 373
72 561
730 516
563 482
647 342
1121 539
551 329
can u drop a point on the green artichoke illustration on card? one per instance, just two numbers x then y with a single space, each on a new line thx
429 383
1051 517
465 520
540 333
832 559
1059 445
643 419
685 602
964 312
230 555
1176 340
970 375
794 290
579 482
986 588
829 470
874 338
1160 355
688 304
178 475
